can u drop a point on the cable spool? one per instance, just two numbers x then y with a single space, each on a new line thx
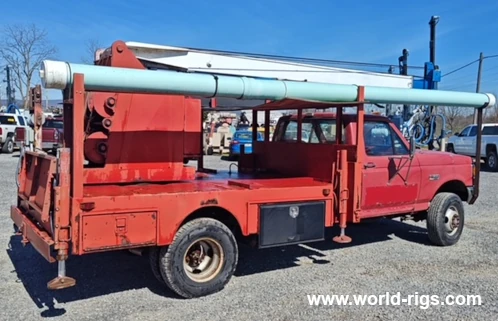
96 147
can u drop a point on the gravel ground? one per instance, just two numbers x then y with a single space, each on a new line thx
386 256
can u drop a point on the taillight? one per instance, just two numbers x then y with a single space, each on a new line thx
1 131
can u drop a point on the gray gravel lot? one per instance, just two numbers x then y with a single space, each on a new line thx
386 256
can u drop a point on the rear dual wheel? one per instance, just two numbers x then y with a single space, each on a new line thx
200 261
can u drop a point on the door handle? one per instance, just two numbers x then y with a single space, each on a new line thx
369 165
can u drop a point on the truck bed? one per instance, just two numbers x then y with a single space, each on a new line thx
223 180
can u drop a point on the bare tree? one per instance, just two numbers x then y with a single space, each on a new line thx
24 47
453 116
92 45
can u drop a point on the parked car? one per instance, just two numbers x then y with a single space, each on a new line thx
464 143
242 137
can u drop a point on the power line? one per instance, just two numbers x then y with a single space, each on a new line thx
460 68
467 65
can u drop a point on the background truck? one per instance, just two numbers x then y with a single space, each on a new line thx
465 143
52 134
8 124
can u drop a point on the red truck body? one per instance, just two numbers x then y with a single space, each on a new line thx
120 182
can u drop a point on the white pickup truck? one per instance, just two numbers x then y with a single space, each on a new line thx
8 125
465 143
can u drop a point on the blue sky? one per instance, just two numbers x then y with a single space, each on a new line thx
367 31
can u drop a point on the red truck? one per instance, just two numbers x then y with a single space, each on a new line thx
119 183
52 134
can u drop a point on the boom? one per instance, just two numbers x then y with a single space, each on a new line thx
205 61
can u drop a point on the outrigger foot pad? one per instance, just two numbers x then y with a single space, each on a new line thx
342 239
61 282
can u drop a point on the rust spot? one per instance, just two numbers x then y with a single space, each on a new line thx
212 201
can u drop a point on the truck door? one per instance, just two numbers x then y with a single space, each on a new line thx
460 141
391 181
470 141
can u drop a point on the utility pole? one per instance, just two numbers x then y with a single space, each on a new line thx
478 84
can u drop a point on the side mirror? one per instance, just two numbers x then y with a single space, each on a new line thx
457 134
413 146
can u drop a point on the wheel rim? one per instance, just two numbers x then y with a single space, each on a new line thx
452 220
491 161
203 260
10 145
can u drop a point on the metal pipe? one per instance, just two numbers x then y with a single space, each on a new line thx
59 75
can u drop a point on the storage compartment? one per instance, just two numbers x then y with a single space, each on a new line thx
291 223
119 231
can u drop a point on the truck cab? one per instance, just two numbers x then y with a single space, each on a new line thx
394 181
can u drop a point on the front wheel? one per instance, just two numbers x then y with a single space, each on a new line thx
492 161
201 260
445 219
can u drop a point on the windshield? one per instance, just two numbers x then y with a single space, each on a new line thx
51 123
243 136
246 136
313 131
7 120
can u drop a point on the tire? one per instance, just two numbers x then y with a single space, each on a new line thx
450 149
8 146
154 263
445 206
172 263
209 150
492 161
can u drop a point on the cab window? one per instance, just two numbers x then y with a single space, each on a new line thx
490 130
473 131
465 131
290 134
381 140
7 120
327 129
